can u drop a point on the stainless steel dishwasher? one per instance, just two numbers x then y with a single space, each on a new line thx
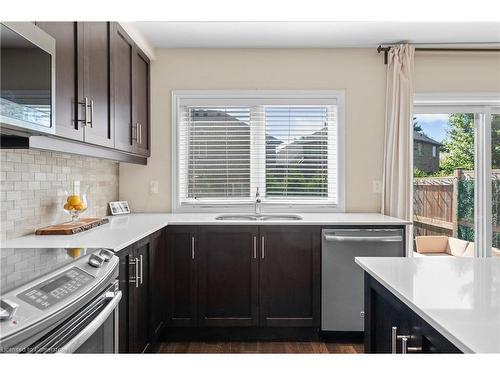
342 281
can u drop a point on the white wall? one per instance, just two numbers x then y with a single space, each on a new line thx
360 72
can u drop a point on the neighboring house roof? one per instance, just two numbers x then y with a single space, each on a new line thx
417 136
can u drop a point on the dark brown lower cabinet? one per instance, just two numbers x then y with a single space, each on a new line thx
158 263
228 269
386 315
233 277
290 278
135 307
182 278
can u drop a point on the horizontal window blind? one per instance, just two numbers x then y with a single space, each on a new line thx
300 149
285 148
215 162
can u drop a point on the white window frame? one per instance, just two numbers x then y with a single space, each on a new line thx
481 104
321 95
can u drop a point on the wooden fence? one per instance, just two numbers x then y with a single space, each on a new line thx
435 204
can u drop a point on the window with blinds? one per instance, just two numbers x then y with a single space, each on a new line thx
228 146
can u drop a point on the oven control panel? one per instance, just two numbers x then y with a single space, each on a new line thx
56 289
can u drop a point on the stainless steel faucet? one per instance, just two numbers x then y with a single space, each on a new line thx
258 202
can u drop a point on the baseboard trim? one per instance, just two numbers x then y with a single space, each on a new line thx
239 334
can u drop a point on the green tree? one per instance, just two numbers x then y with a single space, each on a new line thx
495 142
416 126
458 148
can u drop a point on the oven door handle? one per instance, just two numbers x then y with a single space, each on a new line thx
82 336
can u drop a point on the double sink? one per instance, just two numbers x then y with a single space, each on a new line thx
262 217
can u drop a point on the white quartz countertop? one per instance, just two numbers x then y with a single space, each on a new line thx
459 297
124 230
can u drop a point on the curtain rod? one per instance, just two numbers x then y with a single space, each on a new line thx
439 49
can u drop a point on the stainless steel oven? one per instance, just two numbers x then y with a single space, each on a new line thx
27 82
73 309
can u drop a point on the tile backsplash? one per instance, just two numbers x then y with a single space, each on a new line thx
33 185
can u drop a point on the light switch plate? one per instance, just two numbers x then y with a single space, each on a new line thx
153 187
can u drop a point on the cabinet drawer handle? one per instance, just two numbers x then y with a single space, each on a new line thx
262 243
140 258
254 247
192 248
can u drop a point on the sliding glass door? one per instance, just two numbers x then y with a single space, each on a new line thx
495 181
456 170
443 182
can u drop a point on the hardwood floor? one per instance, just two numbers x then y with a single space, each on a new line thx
260 347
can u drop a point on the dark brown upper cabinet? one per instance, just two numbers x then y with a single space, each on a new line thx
94 65
290 280
83 81
131 94
102 86
69 91
141 99
122 55
228 268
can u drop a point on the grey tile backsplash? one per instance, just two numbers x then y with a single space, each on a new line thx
33 185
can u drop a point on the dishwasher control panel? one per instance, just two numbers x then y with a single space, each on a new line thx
56 289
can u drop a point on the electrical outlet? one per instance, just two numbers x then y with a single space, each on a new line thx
361 314
377 186
153 187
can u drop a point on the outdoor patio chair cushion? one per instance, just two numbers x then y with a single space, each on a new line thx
456 247
431 244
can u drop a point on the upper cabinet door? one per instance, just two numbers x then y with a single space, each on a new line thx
68 88
290 276
141 124
122 53
97 83
228 276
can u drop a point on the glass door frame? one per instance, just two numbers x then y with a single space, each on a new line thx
482 105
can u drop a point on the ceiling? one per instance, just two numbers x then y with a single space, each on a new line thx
312 34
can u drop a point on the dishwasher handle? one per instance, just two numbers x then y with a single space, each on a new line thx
337 238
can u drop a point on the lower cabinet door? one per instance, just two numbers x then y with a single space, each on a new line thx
182 250
228 276
139 304
126 274
385 316
158 263
290 276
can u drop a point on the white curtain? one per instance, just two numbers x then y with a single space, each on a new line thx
397 177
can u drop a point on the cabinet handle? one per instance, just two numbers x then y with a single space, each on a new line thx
394 337
262 243
91 113
192 247
140 258
140 133
84 104
404 345
135 279
254 247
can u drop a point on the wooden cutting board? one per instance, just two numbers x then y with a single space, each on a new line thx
72 228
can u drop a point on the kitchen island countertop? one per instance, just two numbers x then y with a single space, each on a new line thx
459 297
